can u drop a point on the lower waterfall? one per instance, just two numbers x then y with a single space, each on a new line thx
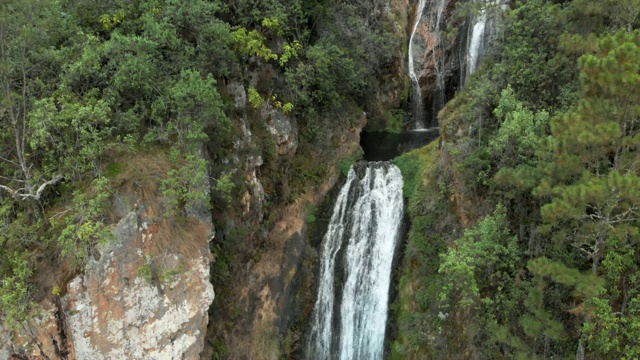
350 314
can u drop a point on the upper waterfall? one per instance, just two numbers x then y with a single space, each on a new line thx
418 111
481 33
350 313
426 55
475 44
439 58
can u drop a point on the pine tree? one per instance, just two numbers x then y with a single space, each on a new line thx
594 182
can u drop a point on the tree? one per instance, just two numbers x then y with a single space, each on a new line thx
478 275
614 328
529 58
20 36
517 141
70 134
613 14
594 181
191 109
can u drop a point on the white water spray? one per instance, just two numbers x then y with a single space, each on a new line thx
477 37
438 59
418 112
482 33
349 319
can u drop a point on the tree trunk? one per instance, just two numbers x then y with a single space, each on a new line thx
582 343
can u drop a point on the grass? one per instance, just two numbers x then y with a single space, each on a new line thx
413 165
345 164
312 213
430 226
113 170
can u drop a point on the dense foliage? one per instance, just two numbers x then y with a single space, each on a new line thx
87 83
541 154
524 238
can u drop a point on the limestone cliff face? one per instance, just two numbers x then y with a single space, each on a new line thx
116 310
144 294
426 52
449 45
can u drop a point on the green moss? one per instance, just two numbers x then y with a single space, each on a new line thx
391 120
395 119
311 216
220 350
406 88
113 170
413 164
419 285
146 273
345 164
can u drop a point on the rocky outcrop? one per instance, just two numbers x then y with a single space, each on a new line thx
143 294
42 338
436 59
253 199
282 127
134 303
271 290
427 41
237 92
436 55
448 48
483 29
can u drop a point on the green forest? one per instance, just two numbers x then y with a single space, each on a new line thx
524 214
538 159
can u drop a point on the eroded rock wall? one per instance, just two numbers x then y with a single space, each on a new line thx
143 294
436 55
135 304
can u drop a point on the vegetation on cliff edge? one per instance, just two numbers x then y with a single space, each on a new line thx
539 164
85 85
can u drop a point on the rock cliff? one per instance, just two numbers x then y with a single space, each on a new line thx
137 303
144 294
438 53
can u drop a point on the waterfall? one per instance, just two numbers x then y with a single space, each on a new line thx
439 60
482 32
350 313
435 22
477 37
418 112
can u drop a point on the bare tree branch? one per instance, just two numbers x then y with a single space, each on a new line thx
16 194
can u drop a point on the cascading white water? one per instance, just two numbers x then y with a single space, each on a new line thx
477 37
438 58
436 17
418 112
439 12
481 34
350 316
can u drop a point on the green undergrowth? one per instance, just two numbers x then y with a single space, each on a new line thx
413 166
426 239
